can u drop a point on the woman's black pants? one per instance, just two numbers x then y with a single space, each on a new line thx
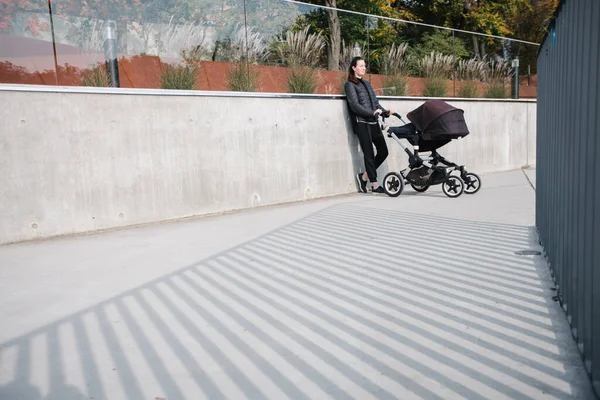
369 135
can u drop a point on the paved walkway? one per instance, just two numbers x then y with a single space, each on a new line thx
356 297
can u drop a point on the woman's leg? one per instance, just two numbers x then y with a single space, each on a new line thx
382 150
364 138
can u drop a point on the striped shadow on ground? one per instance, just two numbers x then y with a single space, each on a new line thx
414 306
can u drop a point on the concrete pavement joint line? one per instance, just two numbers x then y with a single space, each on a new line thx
175 220
193 217
528 180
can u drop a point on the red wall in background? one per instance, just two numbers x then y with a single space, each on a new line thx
31 61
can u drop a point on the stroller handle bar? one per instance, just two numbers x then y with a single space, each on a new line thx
384 116
387 115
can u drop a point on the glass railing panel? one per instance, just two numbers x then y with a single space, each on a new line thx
26 47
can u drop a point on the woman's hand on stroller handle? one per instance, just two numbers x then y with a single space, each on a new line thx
380 112
388 114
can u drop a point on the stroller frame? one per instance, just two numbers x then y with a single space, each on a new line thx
438 168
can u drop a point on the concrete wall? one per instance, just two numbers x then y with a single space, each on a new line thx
75 161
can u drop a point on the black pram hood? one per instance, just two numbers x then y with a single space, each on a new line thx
437 119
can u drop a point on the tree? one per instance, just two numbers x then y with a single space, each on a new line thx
440 41
340 27
8 9
335 37
490 18
510 18
530 23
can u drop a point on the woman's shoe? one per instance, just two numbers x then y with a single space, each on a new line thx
362 184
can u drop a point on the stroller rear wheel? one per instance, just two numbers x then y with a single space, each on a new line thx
393 184
472 183
453 186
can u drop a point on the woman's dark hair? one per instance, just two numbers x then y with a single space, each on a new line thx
351 75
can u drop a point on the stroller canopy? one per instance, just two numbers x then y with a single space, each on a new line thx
437 119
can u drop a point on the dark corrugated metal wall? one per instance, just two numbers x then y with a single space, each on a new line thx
568 169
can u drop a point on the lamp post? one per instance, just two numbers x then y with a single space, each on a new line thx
110 56
515 85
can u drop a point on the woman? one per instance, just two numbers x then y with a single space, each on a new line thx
364 109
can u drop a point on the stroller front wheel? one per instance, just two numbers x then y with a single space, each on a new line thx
472 183
453 186
393 184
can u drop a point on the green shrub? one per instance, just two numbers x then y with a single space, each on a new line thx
302 80
394 85
435 87
96 77
243 78
468 89
496 91
498 73
178 77
342 84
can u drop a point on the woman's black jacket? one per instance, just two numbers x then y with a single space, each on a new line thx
362 100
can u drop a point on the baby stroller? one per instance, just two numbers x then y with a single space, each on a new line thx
433 125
